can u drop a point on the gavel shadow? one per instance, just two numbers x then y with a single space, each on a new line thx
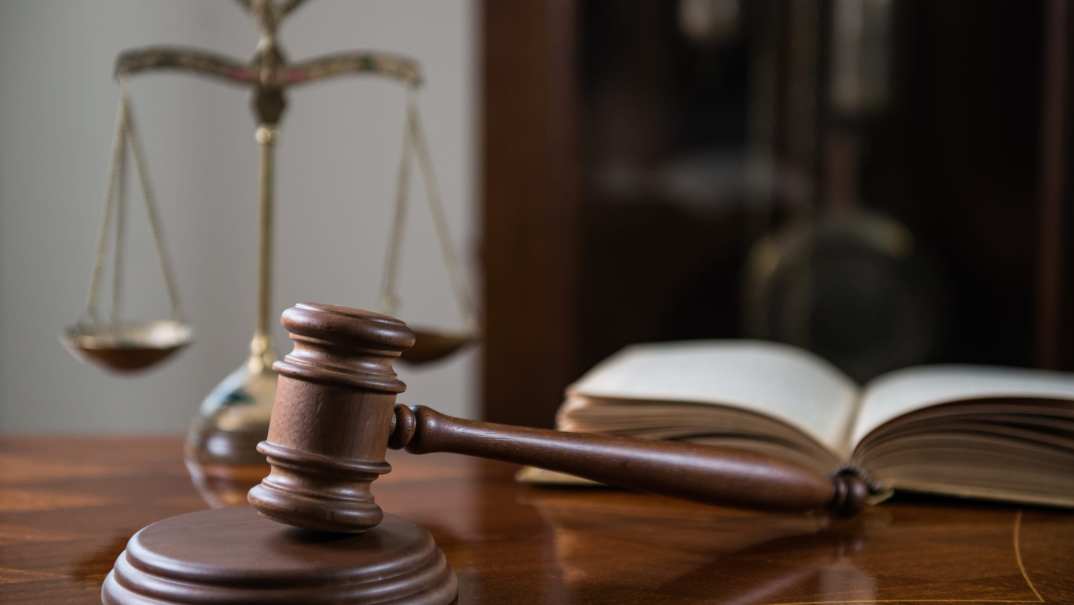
608 548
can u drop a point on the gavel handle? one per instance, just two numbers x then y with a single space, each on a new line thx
708 474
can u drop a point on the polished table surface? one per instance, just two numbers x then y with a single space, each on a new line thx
68 505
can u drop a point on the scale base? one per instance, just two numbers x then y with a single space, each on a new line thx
234 555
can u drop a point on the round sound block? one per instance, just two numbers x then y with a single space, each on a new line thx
234 555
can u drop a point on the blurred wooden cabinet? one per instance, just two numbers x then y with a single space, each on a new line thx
629 167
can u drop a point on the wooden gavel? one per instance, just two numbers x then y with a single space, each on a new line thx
335 416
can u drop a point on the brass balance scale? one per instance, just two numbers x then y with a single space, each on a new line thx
234 416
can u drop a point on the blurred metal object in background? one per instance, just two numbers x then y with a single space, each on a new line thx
850 287
709 21
861 56
841 280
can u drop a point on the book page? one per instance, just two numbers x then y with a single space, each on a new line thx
768 378
912 389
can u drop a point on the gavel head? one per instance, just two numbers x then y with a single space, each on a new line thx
335 399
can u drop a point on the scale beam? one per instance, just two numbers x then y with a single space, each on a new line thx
164 58
268 74
388 65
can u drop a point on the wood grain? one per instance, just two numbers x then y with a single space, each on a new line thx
512 543
530 217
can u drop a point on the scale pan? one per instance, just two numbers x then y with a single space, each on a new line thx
127 347
433 345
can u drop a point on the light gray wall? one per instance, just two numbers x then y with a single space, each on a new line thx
337 156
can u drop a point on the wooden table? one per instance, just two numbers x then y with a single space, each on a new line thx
68 505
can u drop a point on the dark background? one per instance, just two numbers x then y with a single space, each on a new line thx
630 172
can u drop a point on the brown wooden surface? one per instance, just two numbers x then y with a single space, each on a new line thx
1053 161
68 505
530 208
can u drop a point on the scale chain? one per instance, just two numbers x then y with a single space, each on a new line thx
436 208
115 208
151 206
119 151
389 297
414 141
121 221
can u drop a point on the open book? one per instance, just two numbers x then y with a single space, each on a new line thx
981 432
